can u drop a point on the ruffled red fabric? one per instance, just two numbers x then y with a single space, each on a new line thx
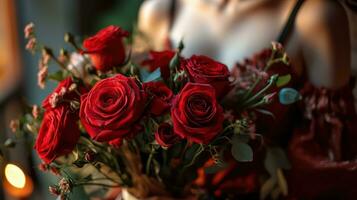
323 151
321 135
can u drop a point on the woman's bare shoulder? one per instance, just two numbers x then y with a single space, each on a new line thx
321 13
323 30
153 12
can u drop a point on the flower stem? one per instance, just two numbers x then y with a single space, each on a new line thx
148 163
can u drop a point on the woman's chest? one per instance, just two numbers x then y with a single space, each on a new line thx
228 37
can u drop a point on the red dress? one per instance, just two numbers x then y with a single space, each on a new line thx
319 133
323 150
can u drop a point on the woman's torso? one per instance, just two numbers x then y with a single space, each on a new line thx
226 33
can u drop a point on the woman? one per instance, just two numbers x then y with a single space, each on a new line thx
315 33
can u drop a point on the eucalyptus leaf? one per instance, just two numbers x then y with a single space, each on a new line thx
289 96
148 77
241 137
283 80
242 152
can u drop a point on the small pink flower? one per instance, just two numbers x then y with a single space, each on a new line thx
41 77
43 167
45 57
35 111
65 186
29 30
54 190
31 44
14 125
41 64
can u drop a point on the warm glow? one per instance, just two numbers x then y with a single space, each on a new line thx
15 176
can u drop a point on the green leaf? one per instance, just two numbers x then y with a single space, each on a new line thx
174 62
241 137
58 76
242 152
283 80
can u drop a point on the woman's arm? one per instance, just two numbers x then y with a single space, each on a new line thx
323 32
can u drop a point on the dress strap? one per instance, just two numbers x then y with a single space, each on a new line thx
172 13
290 23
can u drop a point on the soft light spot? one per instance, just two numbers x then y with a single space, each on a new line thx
15 176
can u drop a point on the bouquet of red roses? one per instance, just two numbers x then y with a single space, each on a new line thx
145 125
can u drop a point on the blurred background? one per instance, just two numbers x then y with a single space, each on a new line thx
18 68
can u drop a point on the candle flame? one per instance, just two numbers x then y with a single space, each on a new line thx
15 176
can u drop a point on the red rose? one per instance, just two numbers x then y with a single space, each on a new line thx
196 114
58 134
160 59
161 97
202 69
111 108
165 136
106 48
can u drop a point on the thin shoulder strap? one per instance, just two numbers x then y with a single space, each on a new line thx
284 35
172 13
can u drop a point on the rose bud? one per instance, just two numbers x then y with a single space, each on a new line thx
165 136
161 97
106 48
202 69
196 114
110 110
160 59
